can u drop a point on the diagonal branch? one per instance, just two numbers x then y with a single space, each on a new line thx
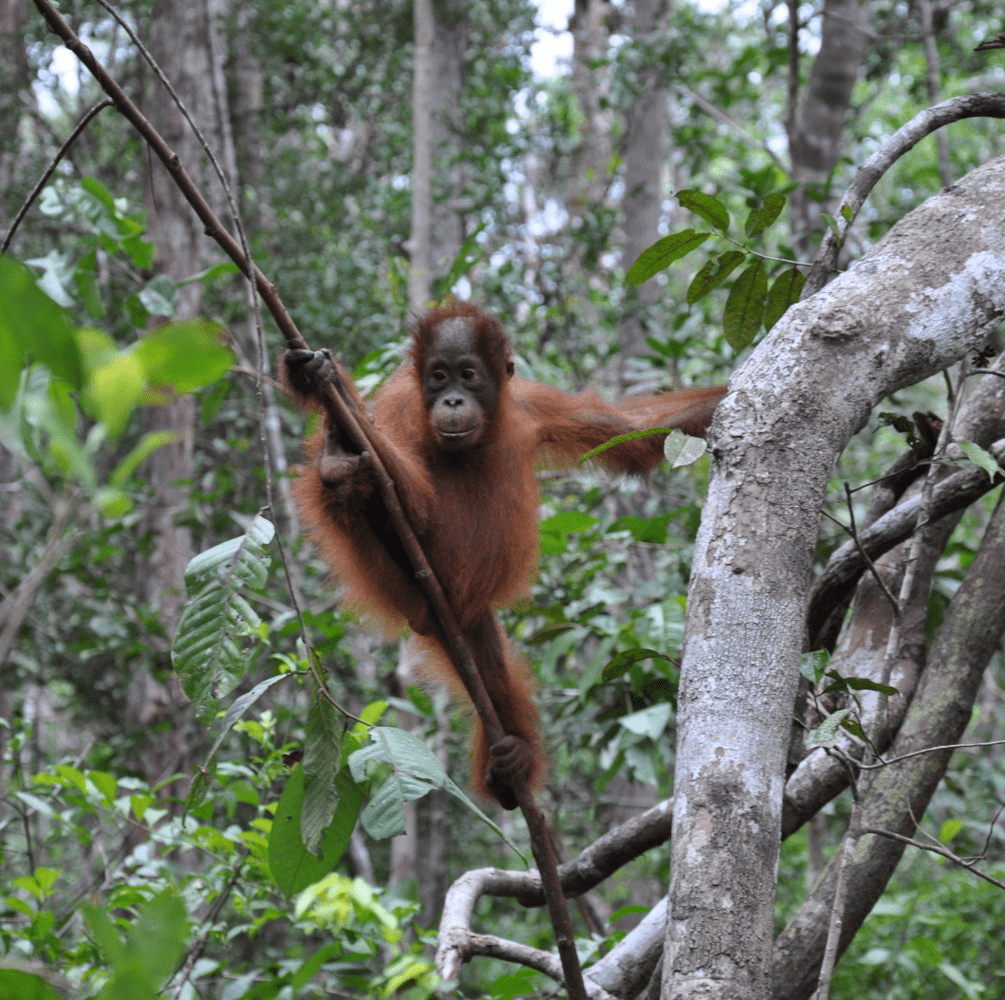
341 412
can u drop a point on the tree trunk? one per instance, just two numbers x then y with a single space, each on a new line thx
179 41
646 124
816 127
592 160
419 241
912 307
14 81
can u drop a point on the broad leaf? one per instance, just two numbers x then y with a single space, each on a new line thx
745 306
714 272
760 218
785 291
663 254
322 758
710 209
207 650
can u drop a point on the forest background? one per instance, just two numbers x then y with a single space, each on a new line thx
541 192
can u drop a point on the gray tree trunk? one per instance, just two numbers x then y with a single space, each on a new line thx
646 126
932 289
179 41
815 127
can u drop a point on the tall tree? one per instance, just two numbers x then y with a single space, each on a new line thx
645 155
816 124
180 43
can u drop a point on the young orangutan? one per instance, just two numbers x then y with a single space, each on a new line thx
461 438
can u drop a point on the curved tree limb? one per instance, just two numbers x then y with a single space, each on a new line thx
903 140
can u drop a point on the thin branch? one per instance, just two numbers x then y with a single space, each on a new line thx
60 153
904 139
865 555
720 116
935 849
918 753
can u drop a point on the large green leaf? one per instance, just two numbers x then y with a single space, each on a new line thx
413 771
292 865
745 306
322 756
32 328
186 355
207 650
663 254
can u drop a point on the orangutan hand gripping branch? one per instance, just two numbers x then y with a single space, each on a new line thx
461 438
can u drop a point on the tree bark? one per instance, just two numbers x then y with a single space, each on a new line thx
932 289
591 162
14 81
645 149
179 42
420 238
816 128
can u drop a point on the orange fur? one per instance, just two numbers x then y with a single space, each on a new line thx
474 511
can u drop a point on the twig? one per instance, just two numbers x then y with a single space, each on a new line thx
935 849
865 555
200 946
918 753
60 153
904 139
720 116
340 410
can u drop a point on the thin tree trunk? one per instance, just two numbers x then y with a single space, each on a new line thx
179 41
934 75
646 127
14 81
592 161
420 238
816 127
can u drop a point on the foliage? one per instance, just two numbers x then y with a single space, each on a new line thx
253 861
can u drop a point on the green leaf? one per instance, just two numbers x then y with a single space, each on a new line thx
842 684
785 291
623 661
86 280
149 443
621 439
322 758
813 665
186 355
156 942
570 520
679 449
293 866
745 306
980 457
216 271
651 722
105 784
826 732
414 771
114 390
32 327
207 650
949 829
158 295
663 254
760 218
140 251
19 984
710 209
713 273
